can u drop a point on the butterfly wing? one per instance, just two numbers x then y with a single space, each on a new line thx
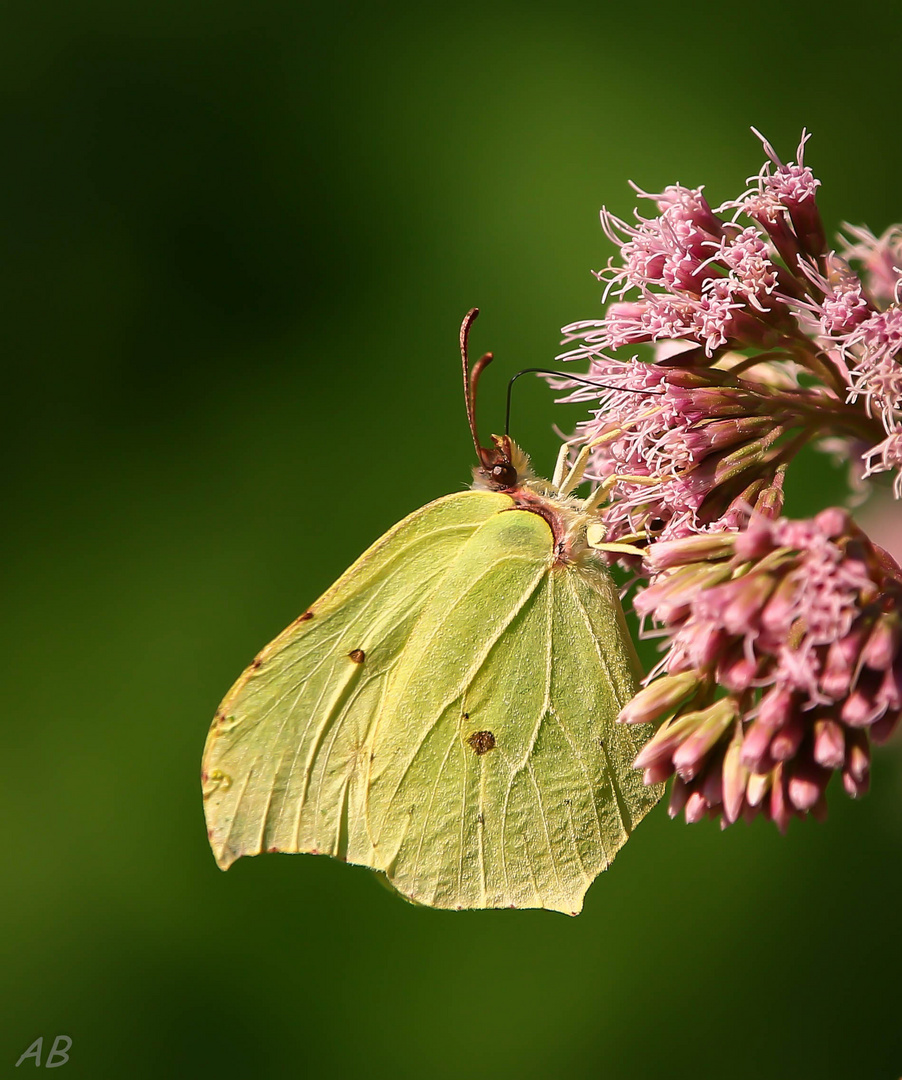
446 716
498 776
286 759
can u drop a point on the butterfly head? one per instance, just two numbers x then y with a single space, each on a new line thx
502 467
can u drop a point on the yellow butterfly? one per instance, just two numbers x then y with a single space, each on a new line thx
445 713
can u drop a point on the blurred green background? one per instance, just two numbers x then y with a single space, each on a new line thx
237 243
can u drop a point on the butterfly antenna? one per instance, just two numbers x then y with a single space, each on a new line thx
471 379
564 375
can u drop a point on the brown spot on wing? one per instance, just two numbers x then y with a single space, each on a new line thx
481 742
303 618
357 655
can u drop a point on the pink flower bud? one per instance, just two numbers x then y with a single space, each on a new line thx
669 598
657 773
806 785
785 744
806 220
678 795
780 808
692 549
855 788
696 808
829 744
780 611
757 787
708 645
712 787
778 229
756 542
859 709
889 693
719 434
842 657
755 747
858 757
659 749
882 645
659 697
689 758
735 776
776 707
769 503
737 674
746 598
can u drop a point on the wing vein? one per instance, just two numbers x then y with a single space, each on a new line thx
471 674
622 809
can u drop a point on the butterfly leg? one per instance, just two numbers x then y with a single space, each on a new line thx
564 482
562 465
604 489
577 471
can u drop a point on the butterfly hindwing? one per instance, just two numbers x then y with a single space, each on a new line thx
499 778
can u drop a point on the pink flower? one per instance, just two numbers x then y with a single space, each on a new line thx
665 251
783 201
873 347
838 305
751 262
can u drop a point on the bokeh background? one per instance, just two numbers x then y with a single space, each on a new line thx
237 243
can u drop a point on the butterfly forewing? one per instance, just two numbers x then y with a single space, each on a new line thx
284 762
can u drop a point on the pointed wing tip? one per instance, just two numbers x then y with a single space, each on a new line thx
571 907
224 857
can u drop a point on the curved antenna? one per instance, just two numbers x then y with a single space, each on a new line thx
471 378
572 378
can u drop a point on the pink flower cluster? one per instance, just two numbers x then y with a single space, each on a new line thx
694 449
781 637
784 660
764 311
